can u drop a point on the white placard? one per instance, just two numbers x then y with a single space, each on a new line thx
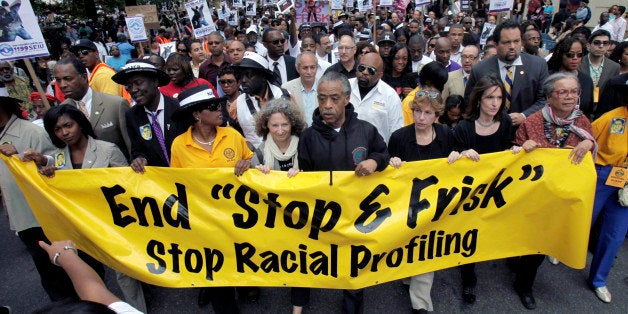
487 31
251 8
233 18
166 49
200 17
237 4
21 36
284 6
385 3
364 5
422 2
135 26
336 4
223 11
500 6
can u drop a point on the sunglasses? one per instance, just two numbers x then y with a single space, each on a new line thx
277 41
601 43
370 70
226 82
83 52
573 55
213 107
432 45
430 94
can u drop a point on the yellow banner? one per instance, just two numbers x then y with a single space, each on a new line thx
204 227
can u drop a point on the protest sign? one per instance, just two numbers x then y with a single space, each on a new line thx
149 12
200 17
206 227
487 31
20 36
500 5
320 12
135 26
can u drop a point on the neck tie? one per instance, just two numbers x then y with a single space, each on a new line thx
465 79
82 108
154 123
276 72
508 84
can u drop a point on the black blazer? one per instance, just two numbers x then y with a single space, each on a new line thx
150 149
291 69
527 91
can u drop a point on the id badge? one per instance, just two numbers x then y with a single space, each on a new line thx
617 177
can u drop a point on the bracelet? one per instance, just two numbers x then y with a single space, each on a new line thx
57 254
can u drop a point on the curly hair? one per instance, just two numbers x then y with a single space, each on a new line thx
556 61
285 107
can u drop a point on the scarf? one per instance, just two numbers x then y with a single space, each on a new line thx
272 152
569 123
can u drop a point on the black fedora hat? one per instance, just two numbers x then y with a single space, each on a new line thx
140 67
252 60
194 99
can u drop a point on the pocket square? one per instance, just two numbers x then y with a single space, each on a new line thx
106 125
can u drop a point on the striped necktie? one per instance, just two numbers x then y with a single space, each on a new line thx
508 84
465 79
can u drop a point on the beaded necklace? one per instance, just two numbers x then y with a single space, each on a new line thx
561 133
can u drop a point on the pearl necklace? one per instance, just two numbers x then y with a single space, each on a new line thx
204 143
485 125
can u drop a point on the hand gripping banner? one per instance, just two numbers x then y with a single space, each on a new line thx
207 227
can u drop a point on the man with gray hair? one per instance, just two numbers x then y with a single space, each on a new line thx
339 141
303 88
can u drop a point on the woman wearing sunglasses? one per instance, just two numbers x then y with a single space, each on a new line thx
208 145
567 57
423 140
486 130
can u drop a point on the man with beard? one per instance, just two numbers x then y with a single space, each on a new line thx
257 90
117 60
324 47
17 86
532 43
416 45
151 132
521 73
339 141
374 100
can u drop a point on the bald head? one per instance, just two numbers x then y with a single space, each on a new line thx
442 51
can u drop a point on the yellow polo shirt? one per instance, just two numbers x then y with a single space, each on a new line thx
229 147
611 136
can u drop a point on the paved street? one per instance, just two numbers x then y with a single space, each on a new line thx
558 289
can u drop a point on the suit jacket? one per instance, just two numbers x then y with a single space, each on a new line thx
454 85
99 154
294 88
291 69
527 92
108 119
609 70
147 146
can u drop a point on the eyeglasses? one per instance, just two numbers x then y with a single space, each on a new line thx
562 93
468 57
226 82
432 45
343 48
277 41
370 70
7 69
83 52
601 43
573 55
430 94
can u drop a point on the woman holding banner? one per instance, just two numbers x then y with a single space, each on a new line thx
610 205
280 124
487 130
559 124
424 139
208 145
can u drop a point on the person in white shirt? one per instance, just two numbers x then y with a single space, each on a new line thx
375 101
416 44
619 24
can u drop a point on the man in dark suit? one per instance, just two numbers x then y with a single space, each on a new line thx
596 65
152 110
105 112
149 146
523 72
523 76
282 65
